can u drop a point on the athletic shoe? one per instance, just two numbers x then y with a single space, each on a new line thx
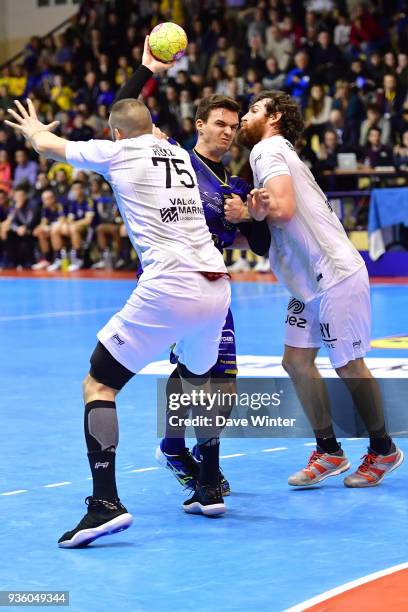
54 267
102 518
263 265
320 466
206 500
76 265
241 265
99 265
225 485
41 265
374 468
184 467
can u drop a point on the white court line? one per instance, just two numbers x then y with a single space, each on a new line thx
271 450
61 313
148 469
15 492
350 439
345 587
310 444
231 456
56 484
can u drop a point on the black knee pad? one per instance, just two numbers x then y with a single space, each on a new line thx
107 370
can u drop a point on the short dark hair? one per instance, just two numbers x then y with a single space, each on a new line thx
291 123
214 101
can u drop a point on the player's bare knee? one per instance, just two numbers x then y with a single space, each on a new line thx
93 389
353 369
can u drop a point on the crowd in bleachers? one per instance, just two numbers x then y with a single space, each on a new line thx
345 62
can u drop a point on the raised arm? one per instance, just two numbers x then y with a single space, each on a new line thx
148 67
39 134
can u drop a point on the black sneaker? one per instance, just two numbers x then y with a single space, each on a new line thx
103 518
206 500
184 467
225 485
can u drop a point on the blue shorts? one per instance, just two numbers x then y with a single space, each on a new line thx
226 365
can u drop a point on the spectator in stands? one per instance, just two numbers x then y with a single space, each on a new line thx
254 56
328 151
223 55
4 213
402 71
317 112
401 154
52 213
61 94
17 230
390 97
6 100
376 153
375 119
365 35
238 160
25 170
327 60
298 79
81 130
346 100
5 171
342 32
108 222
78 219
281 48
376 68
274 78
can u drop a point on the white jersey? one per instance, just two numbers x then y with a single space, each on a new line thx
156 191
311 252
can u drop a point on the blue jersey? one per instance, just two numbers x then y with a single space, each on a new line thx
213 192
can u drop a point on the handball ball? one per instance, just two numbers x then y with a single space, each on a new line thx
168 42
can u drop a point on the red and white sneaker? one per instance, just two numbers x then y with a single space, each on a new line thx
320 466
374 467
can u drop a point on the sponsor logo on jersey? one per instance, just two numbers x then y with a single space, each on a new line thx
328 341
296 306
290 145
169 215
118 340
357 344
102 465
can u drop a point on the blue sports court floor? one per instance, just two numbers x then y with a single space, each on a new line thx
275 548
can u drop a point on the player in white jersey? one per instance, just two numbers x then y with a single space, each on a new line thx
312 256
182 297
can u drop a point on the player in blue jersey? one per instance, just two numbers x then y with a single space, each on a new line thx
223 197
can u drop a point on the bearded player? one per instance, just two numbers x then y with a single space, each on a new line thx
312 256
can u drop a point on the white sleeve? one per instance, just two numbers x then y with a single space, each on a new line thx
93 155
270 162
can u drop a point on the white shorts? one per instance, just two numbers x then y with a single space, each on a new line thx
188 310
340 319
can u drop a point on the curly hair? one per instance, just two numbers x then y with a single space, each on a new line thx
291 123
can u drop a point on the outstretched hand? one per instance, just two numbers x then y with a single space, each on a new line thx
28 122
258 204
151 62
